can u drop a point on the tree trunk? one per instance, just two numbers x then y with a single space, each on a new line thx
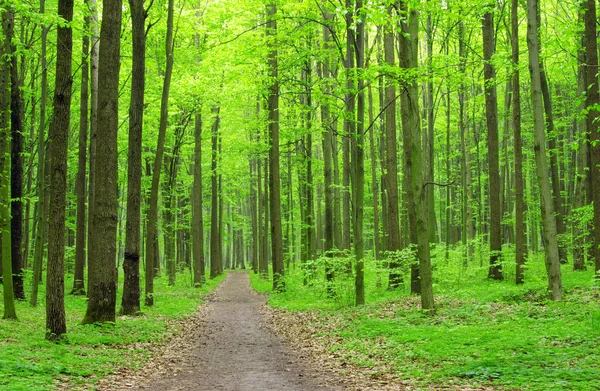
413 157
130 304
197 219
520 227
491 109
546 203
393 218
95 42
215 238
274 182
358 158
592 99
38 254
58 138
80 183
349 125
102 285
5 226
152 259
16 171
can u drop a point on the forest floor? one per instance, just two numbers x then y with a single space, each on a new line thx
228 345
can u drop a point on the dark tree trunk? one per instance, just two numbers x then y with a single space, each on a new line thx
197 218
215 237
58 138
520 227
592 100
393 215
102 285
16 174
491 109
80 183
152 258
130 304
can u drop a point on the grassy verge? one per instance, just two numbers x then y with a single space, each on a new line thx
484 333
29 363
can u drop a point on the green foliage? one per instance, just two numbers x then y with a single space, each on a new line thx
30 363
484 332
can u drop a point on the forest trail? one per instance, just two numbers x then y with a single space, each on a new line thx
230 349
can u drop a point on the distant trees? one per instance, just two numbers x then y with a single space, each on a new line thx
289 96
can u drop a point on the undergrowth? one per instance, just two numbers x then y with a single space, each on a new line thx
483 333
30 363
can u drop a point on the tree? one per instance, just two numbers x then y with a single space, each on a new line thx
391 163
413 154
58 138
197 220
491 110
151 231
5 231
273 126
216 258
546 203
102 285
592 100
16 171
80 183
130 303
520 229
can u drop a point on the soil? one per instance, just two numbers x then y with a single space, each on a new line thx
229 346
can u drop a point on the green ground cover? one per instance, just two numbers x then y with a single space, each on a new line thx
30 363
484 332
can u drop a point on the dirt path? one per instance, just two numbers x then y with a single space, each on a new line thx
231 349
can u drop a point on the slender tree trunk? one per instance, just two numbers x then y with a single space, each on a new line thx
5 227
413 157
95 44
349 125
547 205
358 158
274 182
80 184
491 109
393 215
16 170
327 159
38 255
102 285
59 134
520 227
429 145
130 304
152 258
592 100
215 248
197 219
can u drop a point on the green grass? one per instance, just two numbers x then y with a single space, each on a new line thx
484 332
30 363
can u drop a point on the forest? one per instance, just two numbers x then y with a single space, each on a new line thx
413 186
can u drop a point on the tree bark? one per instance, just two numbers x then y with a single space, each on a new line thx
274 181
130 304
215 238
546 203
58 138
197 218
520 227
102 285
413 157
592 100
5 228
491 109
393 215
16 171
80 182
152 258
